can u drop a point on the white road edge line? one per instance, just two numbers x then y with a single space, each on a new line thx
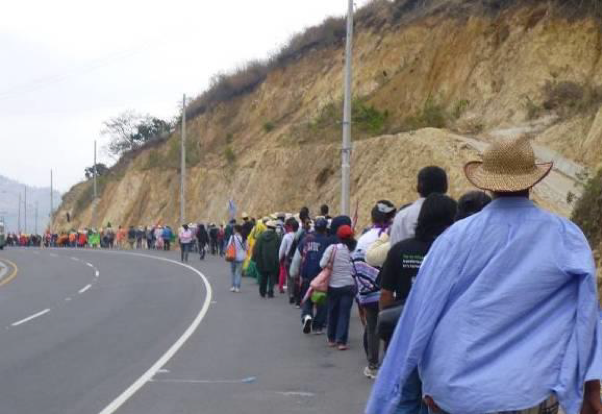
85 288
150 373
36 315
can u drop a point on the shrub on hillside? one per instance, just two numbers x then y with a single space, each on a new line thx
570 98
588 211
432 115
375 15
229 155
368 118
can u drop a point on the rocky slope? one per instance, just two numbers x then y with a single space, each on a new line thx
473 73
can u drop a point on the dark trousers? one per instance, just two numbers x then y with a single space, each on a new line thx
266 284
166 244
371 337
319 318
340 302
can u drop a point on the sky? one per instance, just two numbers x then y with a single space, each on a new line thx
69 65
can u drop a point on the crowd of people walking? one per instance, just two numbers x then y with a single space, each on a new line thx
487 304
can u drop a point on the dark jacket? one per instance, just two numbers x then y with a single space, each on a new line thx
312 248
202 236
265 253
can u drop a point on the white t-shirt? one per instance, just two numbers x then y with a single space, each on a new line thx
404 225
186 236
366 240
285 246
342 269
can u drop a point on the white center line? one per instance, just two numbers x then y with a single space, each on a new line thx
89 265
97 273
75 259
85 288
53 255
36 315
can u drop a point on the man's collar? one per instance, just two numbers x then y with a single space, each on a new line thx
510 202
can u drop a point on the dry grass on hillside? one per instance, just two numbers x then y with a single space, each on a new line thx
377 15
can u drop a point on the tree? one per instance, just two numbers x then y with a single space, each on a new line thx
101 169
129 130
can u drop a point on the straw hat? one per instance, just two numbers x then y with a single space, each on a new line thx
507 166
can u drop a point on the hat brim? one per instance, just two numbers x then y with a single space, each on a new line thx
505 183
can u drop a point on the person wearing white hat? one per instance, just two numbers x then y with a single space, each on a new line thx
503 315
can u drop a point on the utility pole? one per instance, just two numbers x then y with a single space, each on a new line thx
51 197
25 211
36 220
19 219
346 149
183 163
94 171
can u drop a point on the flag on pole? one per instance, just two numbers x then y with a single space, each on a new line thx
231 210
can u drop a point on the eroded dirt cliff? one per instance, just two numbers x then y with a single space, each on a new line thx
475 76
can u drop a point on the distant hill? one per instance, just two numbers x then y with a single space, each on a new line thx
9 205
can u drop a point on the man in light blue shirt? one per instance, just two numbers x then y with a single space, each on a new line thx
504 314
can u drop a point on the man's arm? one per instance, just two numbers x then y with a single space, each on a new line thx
386 299
591 398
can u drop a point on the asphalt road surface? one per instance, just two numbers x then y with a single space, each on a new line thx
113 332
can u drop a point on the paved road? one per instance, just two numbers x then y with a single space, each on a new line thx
80 328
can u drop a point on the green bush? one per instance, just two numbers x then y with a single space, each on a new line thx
268 127
368 118
570 98
230 155
460 108
533 110
432 115
588 210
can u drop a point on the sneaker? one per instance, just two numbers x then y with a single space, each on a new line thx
237 290
232 289
343 347
332 344
319 331
371 372
307 324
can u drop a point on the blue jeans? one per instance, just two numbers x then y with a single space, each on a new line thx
340 302
236 269
411 397
319 319
185 248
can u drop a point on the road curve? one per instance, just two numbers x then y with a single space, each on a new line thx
83 328
99 352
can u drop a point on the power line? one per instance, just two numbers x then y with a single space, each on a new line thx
92 66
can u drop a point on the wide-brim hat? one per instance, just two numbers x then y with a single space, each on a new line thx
508 166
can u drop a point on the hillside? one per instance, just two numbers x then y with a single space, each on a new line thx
9 205
434 81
